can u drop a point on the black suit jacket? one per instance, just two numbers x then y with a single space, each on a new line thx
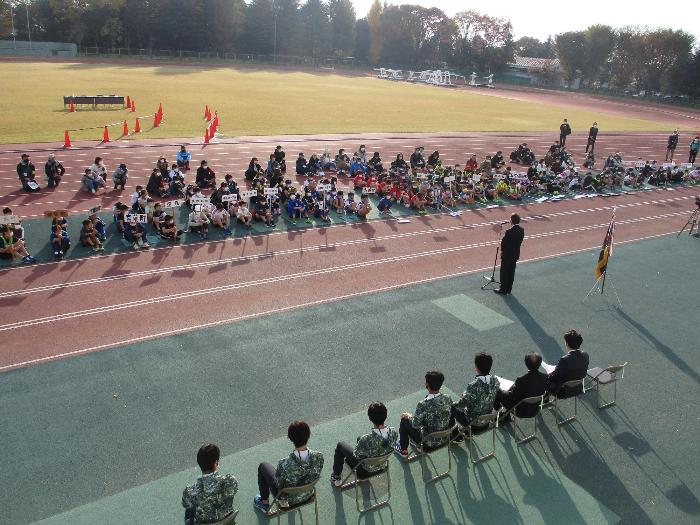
534 383
573 365
592 133
510 244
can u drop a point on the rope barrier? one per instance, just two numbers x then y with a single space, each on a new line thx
121 122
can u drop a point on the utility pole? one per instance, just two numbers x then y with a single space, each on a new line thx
29 32
14 32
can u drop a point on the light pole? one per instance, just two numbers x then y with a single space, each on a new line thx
274 45
29 33
12 18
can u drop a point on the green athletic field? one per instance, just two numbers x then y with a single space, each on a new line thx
111 437
253 102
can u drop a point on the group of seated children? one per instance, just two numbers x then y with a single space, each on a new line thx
210 498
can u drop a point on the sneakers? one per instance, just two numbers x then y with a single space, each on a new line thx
146 245
258 504
28 259
309 221
400 451
134 246
227 231
336 481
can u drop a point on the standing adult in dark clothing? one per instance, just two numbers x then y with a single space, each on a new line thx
694 147
564 131
671 146
510 253
592 136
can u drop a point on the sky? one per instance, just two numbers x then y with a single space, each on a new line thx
541 18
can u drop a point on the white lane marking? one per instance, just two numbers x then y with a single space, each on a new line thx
299 275
272 311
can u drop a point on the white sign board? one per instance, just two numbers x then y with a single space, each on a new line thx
271 191
198 199
686 166
368 191
324 187
639 164
247 194
172 204
9 219
139 217
667 165
229 197
449 179
476 178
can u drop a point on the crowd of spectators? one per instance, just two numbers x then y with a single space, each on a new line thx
342 184
210 498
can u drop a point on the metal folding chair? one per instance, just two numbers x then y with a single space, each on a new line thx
605 376
535 400
557 400
369 462
290 491
422 452
482 424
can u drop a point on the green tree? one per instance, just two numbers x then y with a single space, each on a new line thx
342 18
528 46
316 28
571 50
484 43
600 41
259 28
362 40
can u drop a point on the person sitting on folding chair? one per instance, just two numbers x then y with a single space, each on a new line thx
533 383
479 397
301 467
570 367
431 415
210 499
379 442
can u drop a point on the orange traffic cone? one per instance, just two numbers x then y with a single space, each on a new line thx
66 140
105 137
133 106
128 102
160 109
125 132
206 136
216 119
156 120
137 126
207 113
72 106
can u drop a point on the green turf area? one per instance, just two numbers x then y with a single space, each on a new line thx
37 230
106 459
253 102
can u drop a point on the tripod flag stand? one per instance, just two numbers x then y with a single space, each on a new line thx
601 269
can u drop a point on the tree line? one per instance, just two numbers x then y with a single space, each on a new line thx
402 36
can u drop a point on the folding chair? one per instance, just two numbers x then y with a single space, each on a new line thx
605 376
481 425
369 462
535 400
422 452
290 491
569 384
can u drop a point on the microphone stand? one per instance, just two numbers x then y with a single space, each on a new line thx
492 279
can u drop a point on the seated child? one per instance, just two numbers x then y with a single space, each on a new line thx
88 236
378 442
60 241
301 467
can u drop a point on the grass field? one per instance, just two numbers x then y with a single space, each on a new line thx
252 102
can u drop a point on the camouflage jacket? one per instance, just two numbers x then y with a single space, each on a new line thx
373 444
478 398
292 472
211 496
432 414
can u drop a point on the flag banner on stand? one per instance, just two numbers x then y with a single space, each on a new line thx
607 250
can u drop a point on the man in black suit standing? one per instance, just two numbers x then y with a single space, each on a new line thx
510 253
571 366
592 136
564 131
534 383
